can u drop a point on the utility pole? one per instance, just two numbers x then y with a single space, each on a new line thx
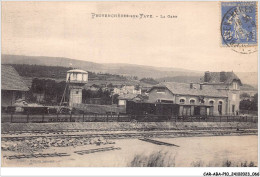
112 97
111 101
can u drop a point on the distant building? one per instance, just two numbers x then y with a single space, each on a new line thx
122 99
13 87
217 95
127 90
144 89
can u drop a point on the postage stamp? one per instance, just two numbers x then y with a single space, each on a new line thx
238 26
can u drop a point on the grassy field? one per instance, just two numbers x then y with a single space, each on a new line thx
165 159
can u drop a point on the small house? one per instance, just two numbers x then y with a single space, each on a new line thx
12 86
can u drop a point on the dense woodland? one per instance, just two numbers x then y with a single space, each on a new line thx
53 92
58 72
104 95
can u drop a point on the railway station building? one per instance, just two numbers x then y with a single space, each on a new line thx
217 94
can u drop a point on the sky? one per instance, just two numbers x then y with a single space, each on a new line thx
67 29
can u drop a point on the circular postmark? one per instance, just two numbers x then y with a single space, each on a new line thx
238 29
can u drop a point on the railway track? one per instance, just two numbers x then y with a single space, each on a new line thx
133 135
37 155
158 142
45 155
61 131
89 151
104 135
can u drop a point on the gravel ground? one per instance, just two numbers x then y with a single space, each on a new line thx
47 144
191 150
126 126
37 145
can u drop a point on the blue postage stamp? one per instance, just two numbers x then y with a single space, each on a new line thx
238 25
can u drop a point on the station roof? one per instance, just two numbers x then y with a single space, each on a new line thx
127 96
184 89
215 78
11 80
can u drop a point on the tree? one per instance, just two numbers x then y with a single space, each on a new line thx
29 97
245 105
137 87
38 85
87 94
135 78
99 93
149 81
60 88
244 96
105 96
255 102
249 105
51 89
115 99
110 85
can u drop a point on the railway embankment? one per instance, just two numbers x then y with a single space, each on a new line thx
32 138
124 126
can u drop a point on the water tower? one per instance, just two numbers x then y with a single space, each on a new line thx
76 79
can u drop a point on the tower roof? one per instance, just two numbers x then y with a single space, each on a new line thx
76 71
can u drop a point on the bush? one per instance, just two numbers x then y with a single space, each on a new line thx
225 163
149 81
156 159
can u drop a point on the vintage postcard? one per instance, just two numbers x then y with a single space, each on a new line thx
129 84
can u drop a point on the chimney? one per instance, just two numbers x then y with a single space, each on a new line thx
191 85
207 76
222 77
201 86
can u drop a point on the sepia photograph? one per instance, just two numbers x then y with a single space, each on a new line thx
129 84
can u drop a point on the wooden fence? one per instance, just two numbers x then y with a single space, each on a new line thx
99 109
45 118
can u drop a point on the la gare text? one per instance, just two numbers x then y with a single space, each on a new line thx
134 16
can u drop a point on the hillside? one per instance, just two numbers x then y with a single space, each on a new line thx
58 73
247 87
48 61
120 69
182 79
249 78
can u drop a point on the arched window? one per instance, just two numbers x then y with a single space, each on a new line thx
192 101
211 102
182 101
235 85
